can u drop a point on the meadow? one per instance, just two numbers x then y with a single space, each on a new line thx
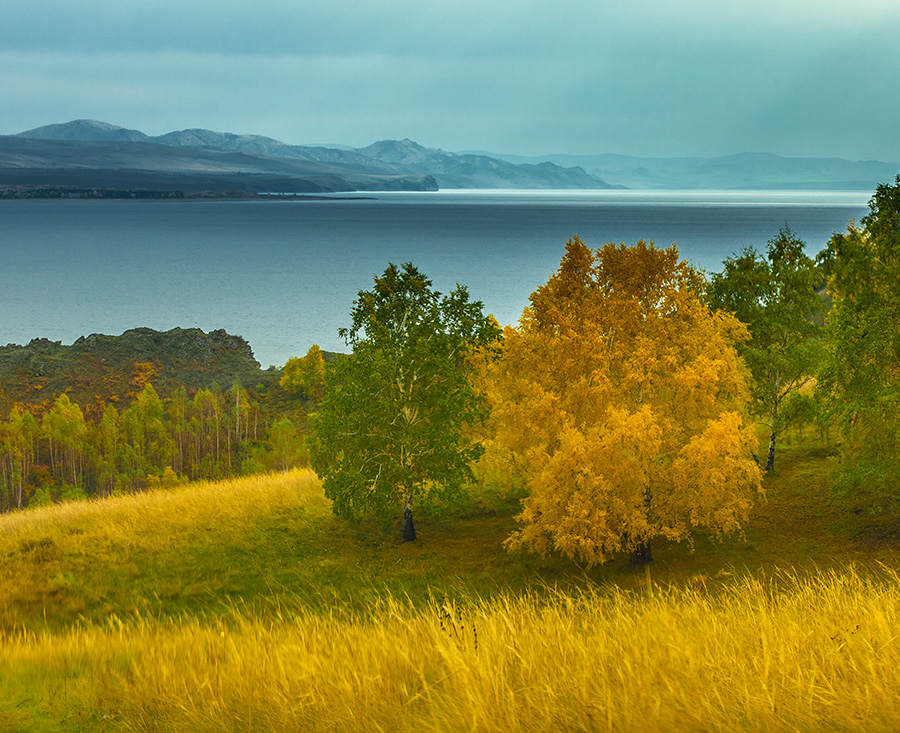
247 606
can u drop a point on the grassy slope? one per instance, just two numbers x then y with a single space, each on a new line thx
266 550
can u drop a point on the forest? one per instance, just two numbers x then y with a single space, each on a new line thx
126 436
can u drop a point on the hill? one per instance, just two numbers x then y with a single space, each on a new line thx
97 368
151 166
224 161
451 170
86 153
246 605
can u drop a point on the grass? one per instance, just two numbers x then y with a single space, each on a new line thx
817 653
246 605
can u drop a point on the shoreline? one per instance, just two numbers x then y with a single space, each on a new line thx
74 193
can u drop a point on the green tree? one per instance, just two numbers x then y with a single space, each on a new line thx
861 379
287 448
306 374
66 430
109 445
207 434
147 435
178 408
775 296
20 437
622 397
391 426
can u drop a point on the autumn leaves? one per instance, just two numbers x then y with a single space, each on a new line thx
624 398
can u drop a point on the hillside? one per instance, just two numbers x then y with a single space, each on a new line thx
246 605
86 153
99 368
269 537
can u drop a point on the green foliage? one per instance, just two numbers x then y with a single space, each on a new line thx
393 420
62 455
287 447
775 296
861 379
65 428
306 374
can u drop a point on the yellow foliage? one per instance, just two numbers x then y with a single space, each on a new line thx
624 397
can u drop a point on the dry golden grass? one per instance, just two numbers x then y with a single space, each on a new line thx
792 654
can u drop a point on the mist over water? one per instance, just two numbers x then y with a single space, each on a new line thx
284 274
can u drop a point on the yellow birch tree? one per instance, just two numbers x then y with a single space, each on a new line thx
623 399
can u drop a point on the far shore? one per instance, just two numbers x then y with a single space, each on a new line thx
63 193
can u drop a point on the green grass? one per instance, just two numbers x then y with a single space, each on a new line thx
266 550
287 548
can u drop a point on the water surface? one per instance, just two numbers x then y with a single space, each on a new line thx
284 274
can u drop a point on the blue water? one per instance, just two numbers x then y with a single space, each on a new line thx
284 274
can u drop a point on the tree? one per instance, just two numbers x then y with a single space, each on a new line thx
306 373
20 435
775 296
66 430
391 425
861 378
623 397
146 434
109 449
287 447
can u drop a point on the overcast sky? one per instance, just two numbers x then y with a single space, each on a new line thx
638 77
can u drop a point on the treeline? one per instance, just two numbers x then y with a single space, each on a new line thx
210 434
628 402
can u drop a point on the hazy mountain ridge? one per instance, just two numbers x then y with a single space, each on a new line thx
401 165
86 130
210 160
149 165
455 170
742 171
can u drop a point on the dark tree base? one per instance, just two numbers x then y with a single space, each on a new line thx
641 555
409 530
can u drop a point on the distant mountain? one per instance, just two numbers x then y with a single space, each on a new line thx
451 170
400 163
91 153
87 130
448 169
746 171
151 166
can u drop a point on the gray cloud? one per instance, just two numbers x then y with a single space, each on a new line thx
646 77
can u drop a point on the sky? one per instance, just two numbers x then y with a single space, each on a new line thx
817 78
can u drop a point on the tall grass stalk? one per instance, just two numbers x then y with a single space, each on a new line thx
786 653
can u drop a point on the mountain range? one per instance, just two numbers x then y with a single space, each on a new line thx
86 154
743 171
91 154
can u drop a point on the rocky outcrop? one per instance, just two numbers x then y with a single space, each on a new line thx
98 368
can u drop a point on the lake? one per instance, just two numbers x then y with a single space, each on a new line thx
284 274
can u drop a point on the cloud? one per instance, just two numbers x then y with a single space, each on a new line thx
646 77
